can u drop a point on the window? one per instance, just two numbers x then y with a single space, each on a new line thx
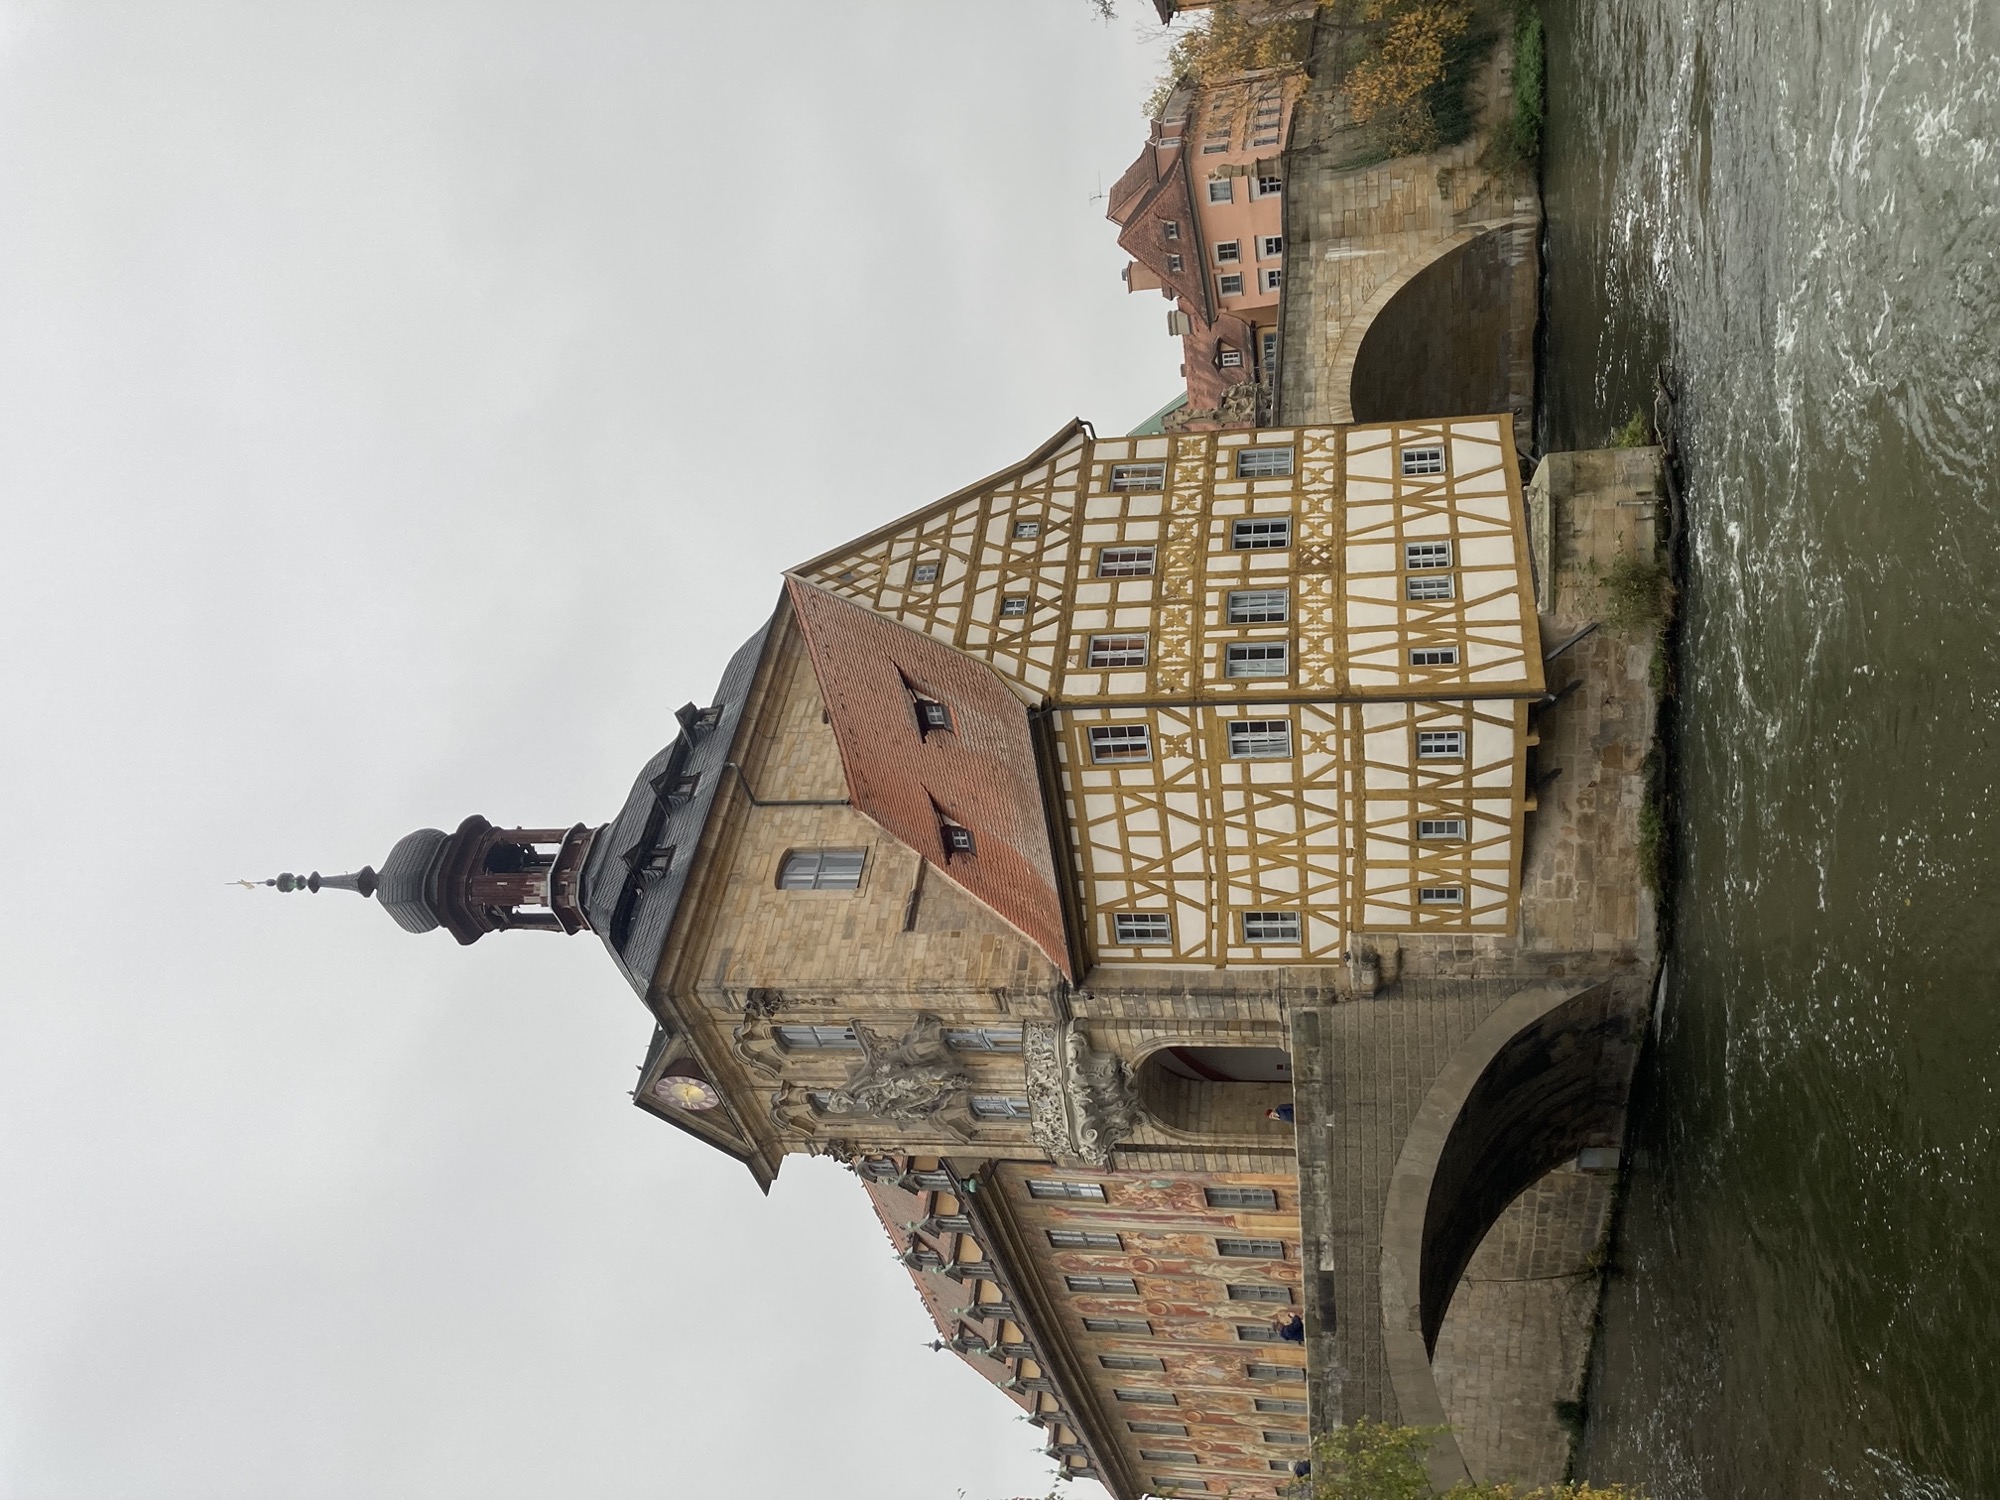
1268 535
1420 555
1250 1249
998 1107
1270 927
1124 562
1275 1372
1440 744
938 1181
1257 1333
924 573
821 870
1269 278
1260 739
1087 1192
1440 895
818 1038
1228 358
1214 144
1274 1406
1171 229
1173 262
1127 478
1161 1456
1118 651
1428 460
1228 250
957 837
1107 1285
1270 187
1242 1197
1256 1292
1259 607
1163 1429
1145 1398
1434 656
1119 1325
1230 285
983 1038
1270 339
1013 606
1131 1362
1279 1465
1270 246
1120 742
1427 586
1221 190
1142 928
1440 828
1263 463
1027 528
1085 1239
1286 1439
932 714
1256 659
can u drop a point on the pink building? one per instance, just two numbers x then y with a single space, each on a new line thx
1201 213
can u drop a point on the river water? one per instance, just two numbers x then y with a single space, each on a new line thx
1798 204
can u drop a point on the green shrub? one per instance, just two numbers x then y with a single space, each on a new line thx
1524 127
1636 433
1636 591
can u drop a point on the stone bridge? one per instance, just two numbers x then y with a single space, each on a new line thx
1411 285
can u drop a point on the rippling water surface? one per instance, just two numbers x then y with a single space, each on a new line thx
1799 206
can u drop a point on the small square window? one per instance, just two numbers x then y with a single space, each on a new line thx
1441 895
1049 1187
1427 587
1263 463
1259 606
1240 1249
924 573
1441 744
1221 190
1128 478
1125 562
1269 278
1257 659
1270 187
1027 528
1230 285
1120 742
1260 739
1270 927
1444 829
998 1107
1229 359
1013 606
932 714
1229 250
1426 460
957 838
1421 556
1173 262
1434 656
1117 651
1270 246
1170 230
1141 929
1269 535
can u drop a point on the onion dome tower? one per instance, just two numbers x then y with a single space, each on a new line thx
473 881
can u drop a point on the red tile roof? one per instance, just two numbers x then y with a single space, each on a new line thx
980 773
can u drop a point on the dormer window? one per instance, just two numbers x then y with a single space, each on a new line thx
932 714
1171 229
957 837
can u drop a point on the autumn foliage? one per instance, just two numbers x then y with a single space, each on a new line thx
1390 87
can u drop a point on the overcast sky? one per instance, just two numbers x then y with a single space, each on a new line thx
402 408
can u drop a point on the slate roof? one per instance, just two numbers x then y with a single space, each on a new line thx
638 867
980 773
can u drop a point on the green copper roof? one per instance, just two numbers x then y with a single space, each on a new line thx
1154 424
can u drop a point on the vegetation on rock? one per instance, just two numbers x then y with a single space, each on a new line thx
1369 1460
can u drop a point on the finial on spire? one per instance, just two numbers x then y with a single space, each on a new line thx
361 882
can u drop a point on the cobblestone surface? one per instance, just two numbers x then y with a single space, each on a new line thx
1518 1333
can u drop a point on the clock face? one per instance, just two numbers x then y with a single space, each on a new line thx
686 1093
